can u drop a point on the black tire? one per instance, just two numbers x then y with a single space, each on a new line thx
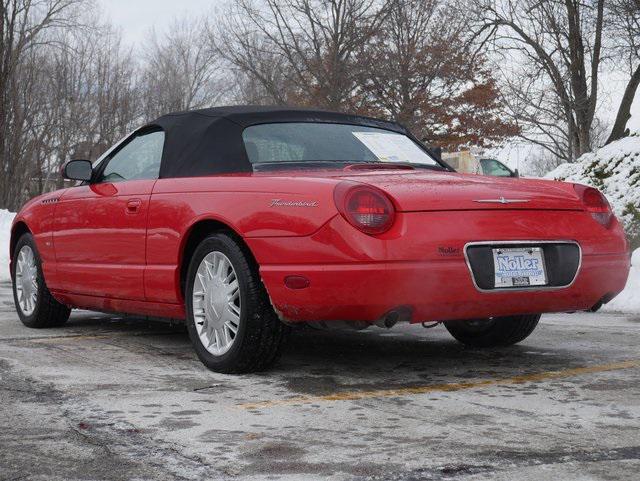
261 335
47 312
494 332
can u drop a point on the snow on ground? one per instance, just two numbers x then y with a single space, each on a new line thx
6 218
629 299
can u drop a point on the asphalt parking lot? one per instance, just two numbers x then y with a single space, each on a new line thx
112 398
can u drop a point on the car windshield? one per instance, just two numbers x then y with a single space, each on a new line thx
305 143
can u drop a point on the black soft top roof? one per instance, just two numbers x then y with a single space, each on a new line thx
209 141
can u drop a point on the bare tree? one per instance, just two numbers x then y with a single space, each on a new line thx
625 29
116 95
313 44
69 88
181 70
69 95
92 95
561 47
427 78
558 44
414 52
23 148
261 73
24 25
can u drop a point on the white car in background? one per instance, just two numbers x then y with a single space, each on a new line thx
496 168
467 162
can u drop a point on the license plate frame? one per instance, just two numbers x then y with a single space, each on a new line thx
519 267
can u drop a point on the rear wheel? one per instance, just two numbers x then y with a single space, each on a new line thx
36 306
231 323
495 331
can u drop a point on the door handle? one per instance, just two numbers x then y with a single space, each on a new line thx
133 206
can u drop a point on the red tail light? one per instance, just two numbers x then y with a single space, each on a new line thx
595 203
366 208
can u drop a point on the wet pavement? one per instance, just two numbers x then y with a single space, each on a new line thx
110 398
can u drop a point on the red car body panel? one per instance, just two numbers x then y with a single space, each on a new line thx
100 237
101 253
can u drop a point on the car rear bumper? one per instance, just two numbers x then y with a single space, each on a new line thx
432 290
421 265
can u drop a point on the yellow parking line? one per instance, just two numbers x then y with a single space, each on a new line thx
456 386
84 337
67 338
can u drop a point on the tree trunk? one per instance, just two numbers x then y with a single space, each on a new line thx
624 111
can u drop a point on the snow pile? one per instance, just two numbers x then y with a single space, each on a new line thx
6 218
629 300
615 170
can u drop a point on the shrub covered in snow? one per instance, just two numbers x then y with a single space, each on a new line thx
615 170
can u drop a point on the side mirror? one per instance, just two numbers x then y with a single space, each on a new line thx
516 173
77 170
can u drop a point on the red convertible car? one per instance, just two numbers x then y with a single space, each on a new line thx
244 221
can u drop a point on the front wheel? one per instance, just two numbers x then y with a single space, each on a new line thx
36 306
493 332
231 323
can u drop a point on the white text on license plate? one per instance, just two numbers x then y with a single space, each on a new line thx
519 267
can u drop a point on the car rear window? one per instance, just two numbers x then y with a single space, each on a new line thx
327 142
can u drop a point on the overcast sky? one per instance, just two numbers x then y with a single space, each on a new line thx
136 17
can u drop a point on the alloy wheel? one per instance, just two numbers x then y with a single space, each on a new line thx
216 303
26 282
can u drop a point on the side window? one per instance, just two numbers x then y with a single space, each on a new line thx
138 159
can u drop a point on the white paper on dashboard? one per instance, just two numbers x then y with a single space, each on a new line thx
391 147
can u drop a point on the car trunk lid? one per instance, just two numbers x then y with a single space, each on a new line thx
420 190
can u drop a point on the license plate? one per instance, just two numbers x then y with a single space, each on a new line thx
519 267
